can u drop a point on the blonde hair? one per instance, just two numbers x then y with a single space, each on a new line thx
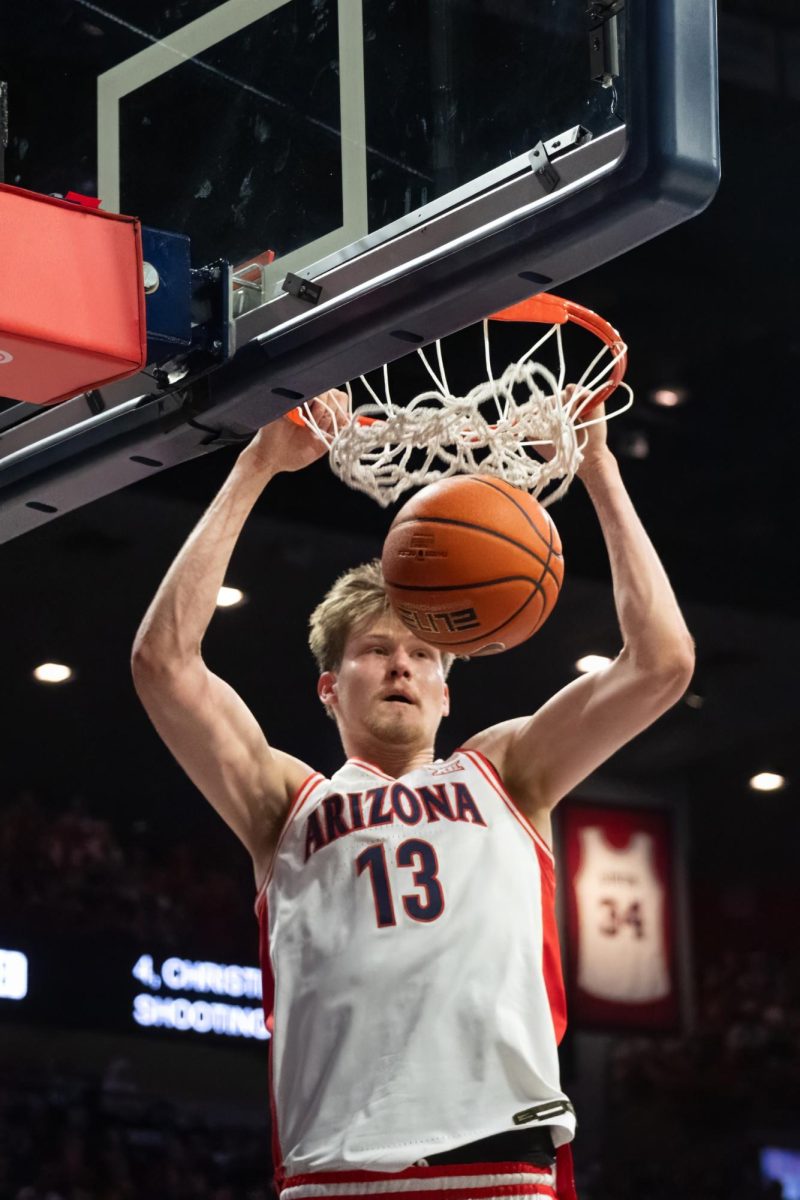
355 598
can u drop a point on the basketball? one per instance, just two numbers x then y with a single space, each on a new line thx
472 565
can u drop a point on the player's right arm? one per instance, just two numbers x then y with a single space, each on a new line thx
208 728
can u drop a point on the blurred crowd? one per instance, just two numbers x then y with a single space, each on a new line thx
686 1115
743 1060
64 1137
70 871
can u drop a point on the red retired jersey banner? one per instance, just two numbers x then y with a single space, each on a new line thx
621 969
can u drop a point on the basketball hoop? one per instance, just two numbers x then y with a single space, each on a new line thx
496 428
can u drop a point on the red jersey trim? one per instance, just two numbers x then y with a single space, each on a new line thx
373 770
265 959
301 795
438 1172
551 949
277 1152
468 1193
536 1181
492 776
268 1000
552 972
565 1173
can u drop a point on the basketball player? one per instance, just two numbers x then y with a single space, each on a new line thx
409 942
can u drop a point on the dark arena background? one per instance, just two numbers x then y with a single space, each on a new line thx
133 1051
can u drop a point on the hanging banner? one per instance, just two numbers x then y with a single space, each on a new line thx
620 917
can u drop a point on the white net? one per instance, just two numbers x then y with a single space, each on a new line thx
525 426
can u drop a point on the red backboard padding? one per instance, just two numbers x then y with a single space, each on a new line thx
72 311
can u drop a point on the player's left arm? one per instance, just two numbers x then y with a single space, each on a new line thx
543 757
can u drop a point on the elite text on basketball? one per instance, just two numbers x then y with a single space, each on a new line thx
434 622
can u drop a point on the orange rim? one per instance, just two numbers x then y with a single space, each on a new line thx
547 309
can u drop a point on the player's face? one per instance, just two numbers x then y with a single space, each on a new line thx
390 685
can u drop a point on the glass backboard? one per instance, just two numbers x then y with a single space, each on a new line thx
422 163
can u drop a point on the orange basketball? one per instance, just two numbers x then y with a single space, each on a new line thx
473 565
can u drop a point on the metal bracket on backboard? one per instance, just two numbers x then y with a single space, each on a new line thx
604 40
543 153
210 328
303 289
543 169
247 283
210 309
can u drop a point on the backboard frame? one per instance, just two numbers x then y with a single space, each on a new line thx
528 232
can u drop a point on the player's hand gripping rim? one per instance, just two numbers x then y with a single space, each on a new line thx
289 444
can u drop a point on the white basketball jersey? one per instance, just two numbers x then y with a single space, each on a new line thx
410 944
621 951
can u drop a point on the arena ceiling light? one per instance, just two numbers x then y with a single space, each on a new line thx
592 662
227 597
669 397
767 781
51 672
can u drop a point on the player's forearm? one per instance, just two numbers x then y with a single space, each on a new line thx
176 621
652 625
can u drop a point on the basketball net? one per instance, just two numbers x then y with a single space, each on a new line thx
525 425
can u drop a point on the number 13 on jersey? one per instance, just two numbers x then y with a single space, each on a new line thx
416 856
